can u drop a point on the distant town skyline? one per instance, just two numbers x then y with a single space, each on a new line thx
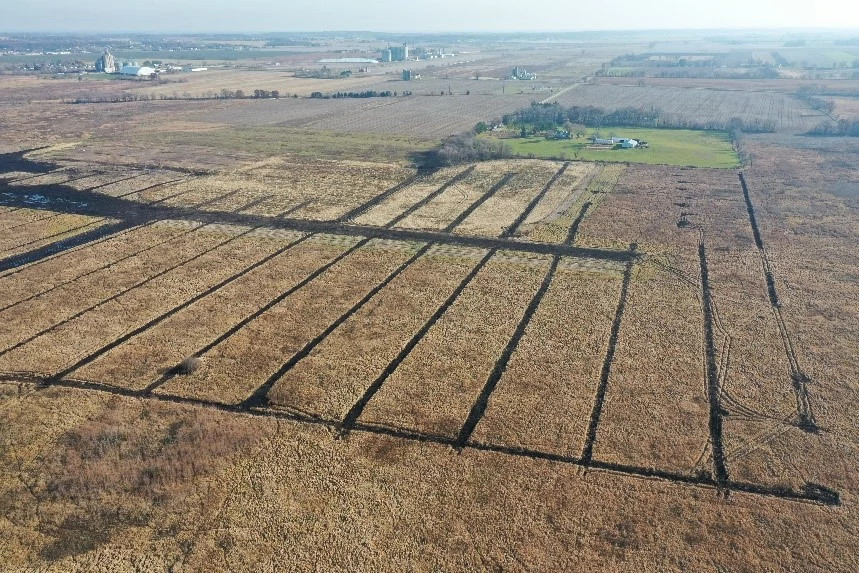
435 16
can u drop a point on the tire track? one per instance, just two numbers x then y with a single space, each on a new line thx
720 469
799 379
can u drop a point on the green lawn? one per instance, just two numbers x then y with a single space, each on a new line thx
683 147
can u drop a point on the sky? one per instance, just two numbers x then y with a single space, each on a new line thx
420 15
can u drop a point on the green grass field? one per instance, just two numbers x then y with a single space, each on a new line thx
684 147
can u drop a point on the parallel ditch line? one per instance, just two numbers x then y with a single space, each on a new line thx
78 242
799 380
357 409
256 202
574 228
15 263
162 317
149 188
514 226
102 185
132 287
25 223
259 396
125 291
480 201
266 307
720 470
103 267
53 171
378 199
482 402
294 208
61 233
811 493
478 409
453 181
596 413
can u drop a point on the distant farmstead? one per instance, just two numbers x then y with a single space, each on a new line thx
106 63
138 71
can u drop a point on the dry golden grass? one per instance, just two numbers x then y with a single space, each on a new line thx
500 210
146 357
656 411
545 397
89 481
435 386
396 204
234 369
554 227
63 345
344 365
72 264
444 208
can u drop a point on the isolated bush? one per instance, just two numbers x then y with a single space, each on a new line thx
463 149
187 366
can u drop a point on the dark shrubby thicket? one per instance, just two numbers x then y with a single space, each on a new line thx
842 127
546 116
463 149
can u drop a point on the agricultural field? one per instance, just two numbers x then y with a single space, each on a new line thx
681 147
702 106
256 334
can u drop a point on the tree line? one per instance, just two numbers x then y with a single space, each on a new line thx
550 116
359 95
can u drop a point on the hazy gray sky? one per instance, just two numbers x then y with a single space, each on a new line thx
420 15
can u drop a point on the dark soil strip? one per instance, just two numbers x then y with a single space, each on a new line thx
588 450
266 307
514 227
259 397
357 409
150 187
574 228
128 336
255 202
105 206
216 199
713 389
51 216
453 181
295 208
473 207
125 291
134 286
480 405
361 209
810 493
101 268
100 186
88 237
799 379
67 231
